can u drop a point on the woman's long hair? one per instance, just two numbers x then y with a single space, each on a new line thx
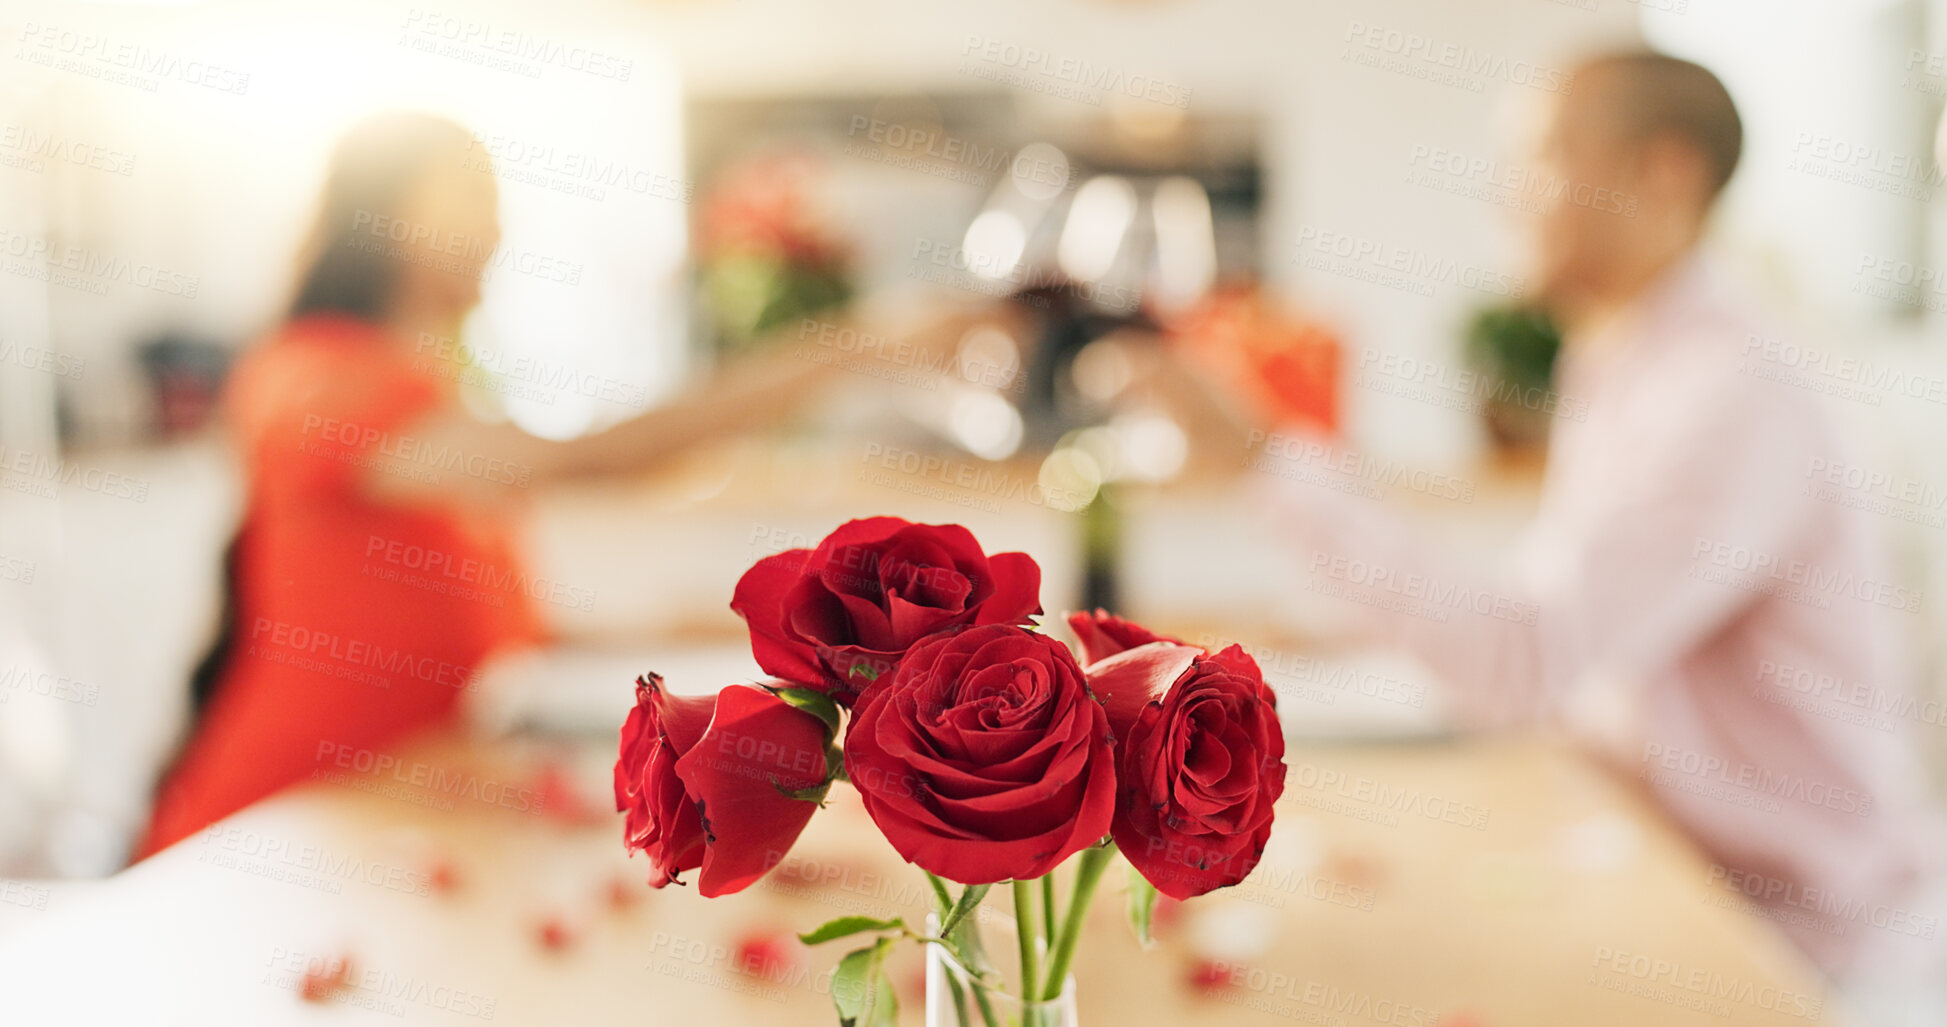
372 169
374 166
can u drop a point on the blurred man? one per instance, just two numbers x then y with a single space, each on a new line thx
1694 600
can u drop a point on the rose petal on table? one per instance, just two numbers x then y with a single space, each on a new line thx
442 875
323 980
554 934
1355 867
769 954
1207 977
621 893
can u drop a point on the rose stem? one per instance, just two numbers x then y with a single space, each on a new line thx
1024 935
1048 908
1093 861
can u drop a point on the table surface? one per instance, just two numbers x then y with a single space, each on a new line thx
1504 883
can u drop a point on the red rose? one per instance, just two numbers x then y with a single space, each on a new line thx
700 780
983 757
1200 763
837 616
1104 634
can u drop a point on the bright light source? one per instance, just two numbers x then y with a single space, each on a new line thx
994 243
989 356
1070 479
1102 370
1039 171
1097 221
985 424
1153 446
1186 243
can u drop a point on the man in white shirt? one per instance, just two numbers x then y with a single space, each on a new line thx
1683 575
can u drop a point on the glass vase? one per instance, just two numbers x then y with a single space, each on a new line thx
955 998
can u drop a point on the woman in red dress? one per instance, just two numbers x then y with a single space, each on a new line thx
375 567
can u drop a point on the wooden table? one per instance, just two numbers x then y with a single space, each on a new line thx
1506 881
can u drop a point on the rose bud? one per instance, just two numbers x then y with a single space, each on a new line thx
837 617
1104 634
703 781
983 757
1200 763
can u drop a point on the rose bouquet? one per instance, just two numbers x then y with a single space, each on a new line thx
907 664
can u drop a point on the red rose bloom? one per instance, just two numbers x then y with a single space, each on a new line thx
1103 634
700 780
1200 763
838 616
983 757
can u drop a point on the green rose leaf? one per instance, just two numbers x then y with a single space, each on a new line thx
847 925
861 991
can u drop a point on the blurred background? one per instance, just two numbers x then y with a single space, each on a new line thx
1071 197
681 179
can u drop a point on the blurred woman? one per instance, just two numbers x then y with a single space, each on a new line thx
376 565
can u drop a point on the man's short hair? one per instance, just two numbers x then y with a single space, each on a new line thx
1657 95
